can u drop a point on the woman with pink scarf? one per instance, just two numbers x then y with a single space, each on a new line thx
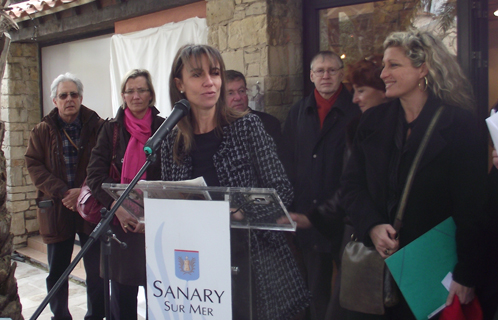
136 122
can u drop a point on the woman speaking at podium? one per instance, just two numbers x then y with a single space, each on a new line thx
232 149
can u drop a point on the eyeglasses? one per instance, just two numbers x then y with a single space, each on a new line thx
241 92
139 91
321 72
64 95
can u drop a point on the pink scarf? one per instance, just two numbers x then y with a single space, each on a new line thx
134 157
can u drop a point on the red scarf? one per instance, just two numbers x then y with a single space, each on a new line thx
134 157
324 105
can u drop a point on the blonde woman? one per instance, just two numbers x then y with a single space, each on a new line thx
421 76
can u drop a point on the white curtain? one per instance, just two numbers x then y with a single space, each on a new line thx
153 49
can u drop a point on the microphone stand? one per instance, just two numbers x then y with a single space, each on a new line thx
98 233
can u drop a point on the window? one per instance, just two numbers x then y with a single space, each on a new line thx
356 31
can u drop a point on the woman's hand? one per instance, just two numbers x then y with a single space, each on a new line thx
384 239
71 198
302 221
128 222
464 294
237 214
495 158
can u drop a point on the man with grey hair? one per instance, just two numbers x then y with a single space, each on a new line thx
56 158
313 155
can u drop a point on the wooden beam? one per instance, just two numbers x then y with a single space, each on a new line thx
91 20
97 5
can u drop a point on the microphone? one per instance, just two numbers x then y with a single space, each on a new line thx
180 110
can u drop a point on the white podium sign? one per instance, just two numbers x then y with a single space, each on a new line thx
188 259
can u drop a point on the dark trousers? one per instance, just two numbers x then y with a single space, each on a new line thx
319 267
94 283
335 311
399 312
123 301
59 257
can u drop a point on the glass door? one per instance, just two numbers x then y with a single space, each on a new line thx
357 31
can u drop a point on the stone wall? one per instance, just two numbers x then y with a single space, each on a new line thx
261 39
284 83
20 110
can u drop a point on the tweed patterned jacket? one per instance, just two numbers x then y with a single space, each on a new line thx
247 157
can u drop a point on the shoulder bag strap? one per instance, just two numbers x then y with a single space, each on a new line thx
398 221
113 170
70 140
115 141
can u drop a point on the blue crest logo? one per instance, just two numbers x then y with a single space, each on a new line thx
187 264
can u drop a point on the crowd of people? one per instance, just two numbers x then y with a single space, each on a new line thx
339 166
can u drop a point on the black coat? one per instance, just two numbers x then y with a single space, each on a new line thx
127 265
100 161
450 180
272 126
313 158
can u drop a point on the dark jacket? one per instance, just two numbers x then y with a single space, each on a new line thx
272 126
314 158
248 158
328 217
47 169
127 266
450 180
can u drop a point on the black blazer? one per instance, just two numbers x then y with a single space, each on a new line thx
450 180
313 159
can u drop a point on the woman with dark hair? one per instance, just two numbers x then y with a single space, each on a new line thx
421 76
136 121
232 149
369 89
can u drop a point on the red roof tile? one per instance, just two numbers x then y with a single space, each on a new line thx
35 8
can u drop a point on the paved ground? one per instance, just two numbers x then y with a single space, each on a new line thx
32 291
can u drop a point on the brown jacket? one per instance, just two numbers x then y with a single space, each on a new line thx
46 167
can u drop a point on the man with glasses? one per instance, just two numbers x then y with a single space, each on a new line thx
56 158
313 156
236 97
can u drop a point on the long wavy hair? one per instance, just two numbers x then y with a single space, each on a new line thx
445 78
189 55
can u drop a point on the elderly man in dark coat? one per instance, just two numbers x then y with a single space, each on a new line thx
313 155
57 156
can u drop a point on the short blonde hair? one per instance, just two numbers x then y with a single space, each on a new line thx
135 73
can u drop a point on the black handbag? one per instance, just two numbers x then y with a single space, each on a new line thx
367 285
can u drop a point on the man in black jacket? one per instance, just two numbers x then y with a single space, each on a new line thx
313 155
236 93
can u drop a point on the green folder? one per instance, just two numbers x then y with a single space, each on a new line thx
420 266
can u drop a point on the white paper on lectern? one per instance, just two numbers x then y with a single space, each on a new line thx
188 259
492 123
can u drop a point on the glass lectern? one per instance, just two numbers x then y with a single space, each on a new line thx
249 209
